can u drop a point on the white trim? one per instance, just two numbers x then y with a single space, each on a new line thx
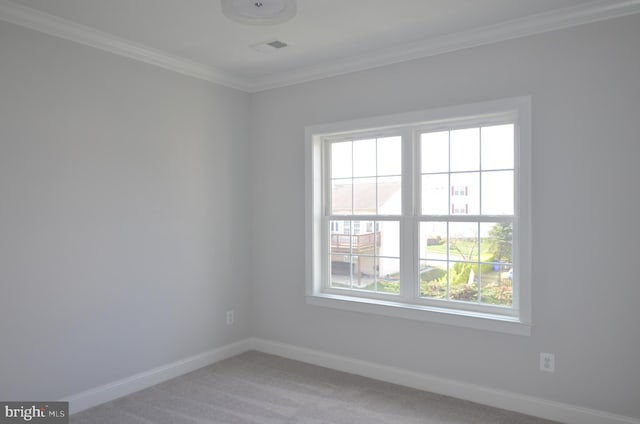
446 316
524 210
82 34
536 24
516 320
530 405
480 113
551 410
108 392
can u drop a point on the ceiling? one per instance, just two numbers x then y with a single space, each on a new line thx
327 37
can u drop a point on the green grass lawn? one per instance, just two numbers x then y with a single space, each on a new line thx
466 250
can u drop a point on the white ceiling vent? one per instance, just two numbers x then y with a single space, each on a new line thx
259 12
269 46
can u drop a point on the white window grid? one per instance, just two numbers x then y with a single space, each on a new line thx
511 111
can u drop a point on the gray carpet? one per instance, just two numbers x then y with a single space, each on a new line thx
256 388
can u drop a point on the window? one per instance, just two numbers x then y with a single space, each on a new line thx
460 209
369 226
356 227
459 191
335 227
346 226
447 192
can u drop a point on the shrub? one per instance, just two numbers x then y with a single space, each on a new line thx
389 286
432 274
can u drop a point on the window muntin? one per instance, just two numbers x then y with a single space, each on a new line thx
468 261
365 179
496 197
471 262
456 179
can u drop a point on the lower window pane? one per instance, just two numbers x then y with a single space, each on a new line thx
463 241
433 240
365 255
460 261
463 281
340 271
496 242
496 284
388 238
340 234
388 275
364 272
433 279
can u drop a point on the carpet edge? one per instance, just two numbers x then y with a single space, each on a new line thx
119 388
525 404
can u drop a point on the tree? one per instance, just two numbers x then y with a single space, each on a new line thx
500 242
466 249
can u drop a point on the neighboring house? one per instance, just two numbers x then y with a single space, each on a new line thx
459 200
371 247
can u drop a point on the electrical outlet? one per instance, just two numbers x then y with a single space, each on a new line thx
229 317
547 362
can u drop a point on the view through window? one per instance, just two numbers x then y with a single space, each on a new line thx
425 214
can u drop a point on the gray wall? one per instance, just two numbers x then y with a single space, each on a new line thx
123 216
585 88
124 223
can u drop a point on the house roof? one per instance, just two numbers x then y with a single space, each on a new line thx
363 194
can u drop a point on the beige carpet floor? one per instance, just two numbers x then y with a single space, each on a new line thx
256 388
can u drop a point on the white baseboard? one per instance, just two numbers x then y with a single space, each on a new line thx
96 396
529 405
562 412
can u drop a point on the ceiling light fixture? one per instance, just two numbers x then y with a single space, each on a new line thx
264 12
270 46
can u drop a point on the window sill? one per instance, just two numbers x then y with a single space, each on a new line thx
479 321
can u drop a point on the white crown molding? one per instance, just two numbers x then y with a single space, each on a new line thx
536 24
62 28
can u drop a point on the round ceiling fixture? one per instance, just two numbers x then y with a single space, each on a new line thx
255 12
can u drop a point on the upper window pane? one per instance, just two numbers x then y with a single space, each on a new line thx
389 196
342 196
364 158
366 177
497 193
435 152
464 191
389 156
341 165
435 194
364 196
465 150
497 147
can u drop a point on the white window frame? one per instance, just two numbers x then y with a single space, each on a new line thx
518 320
